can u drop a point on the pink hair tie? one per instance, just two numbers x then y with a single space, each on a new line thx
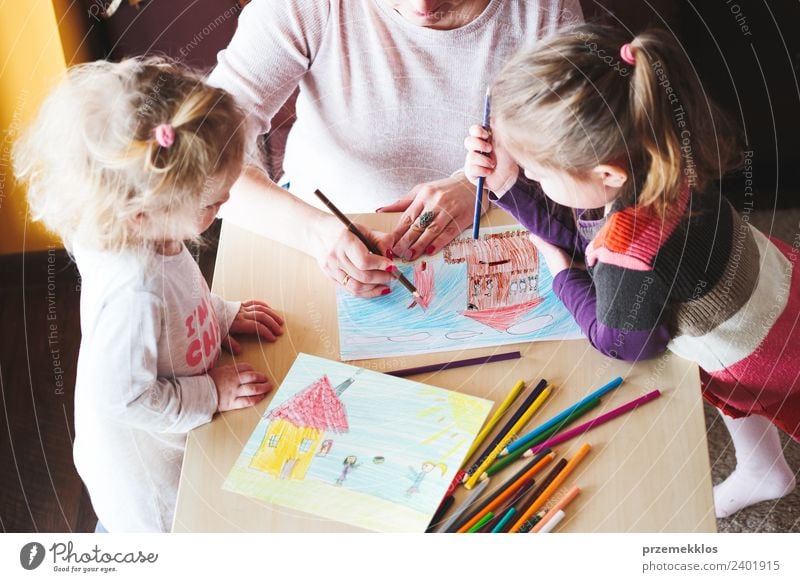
626 52
165 135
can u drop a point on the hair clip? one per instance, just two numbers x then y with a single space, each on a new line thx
626 52
165 135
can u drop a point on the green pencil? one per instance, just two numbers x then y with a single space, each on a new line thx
513 456
481 523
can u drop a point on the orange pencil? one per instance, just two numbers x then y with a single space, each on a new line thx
509 491
561 504
573 462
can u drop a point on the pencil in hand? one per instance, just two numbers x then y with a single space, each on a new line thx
371 247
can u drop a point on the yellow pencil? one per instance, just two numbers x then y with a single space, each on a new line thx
495 418
523 420
547 493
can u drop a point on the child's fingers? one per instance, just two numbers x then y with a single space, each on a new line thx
479 131
246 401
254 327
475 144
251 377
264 318
476 160
263 308
253 389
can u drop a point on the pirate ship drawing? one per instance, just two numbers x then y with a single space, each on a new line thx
502 277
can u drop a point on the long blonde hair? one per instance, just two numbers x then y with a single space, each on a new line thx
91 162
572 103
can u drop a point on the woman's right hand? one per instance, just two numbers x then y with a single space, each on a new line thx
488 161
239 386
345 259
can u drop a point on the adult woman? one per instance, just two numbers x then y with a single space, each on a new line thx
370 71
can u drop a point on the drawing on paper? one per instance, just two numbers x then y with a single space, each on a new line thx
357 446
477 293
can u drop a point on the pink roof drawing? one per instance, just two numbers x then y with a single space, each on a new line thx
316 406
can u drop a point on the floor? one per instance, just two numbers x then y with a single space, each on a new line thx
39 488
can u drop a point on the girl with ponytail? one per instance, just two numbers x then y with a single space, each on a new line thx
622 154
126 161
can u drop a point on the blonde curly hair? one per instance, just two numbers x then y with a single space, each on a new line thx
93 167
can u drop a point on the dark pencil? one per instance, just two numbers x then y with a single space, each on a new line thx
456 364
444 507
367 243
528 500
509 425
476 221
479 507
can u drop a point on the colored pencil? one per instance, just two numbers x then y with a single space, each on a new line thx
506 489
481 523
503 507
534 494
504 492
444 507
366 242
473 496
521 442
506 404
551 523
547 493
476 221
456 364
521 422
529 399
503 462
560 505
528 525
504 520
586 426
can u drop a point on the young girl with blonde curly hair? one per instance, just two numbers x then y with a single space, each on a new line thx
622 151
126 161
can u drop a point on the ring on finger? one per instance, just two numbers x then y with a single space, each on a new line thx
346 280
425 219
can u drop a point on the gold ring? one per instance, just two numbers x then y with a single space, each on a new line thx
346 280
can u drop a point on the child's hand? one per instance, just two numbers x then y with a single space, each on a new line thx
556 258
239 386
254 317
497 166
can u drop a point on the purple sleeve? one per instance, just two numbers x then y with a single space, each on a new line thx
535 211
575 288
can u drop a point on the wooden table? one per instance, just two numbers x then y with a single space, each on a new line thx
648 471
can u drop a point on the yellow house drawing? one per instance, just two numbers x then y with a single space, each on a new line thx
298 426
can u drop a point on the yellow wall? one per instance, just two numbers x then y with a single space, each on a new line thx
31 57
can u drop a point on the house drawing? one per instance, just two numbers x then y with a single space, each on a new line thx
502 277
297 428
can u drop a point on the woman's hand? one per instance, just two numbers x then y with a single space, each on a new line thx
434 214
239 386
488 161
345 259
556 258
257 318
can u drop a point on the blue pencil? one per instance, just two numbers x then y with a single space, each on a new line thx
476 220
526 438
506 518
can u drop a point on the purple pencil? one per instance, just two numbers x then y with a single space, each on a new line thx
560 438
456 364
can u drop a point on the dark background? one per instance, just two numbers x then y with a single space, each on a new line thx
751 72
